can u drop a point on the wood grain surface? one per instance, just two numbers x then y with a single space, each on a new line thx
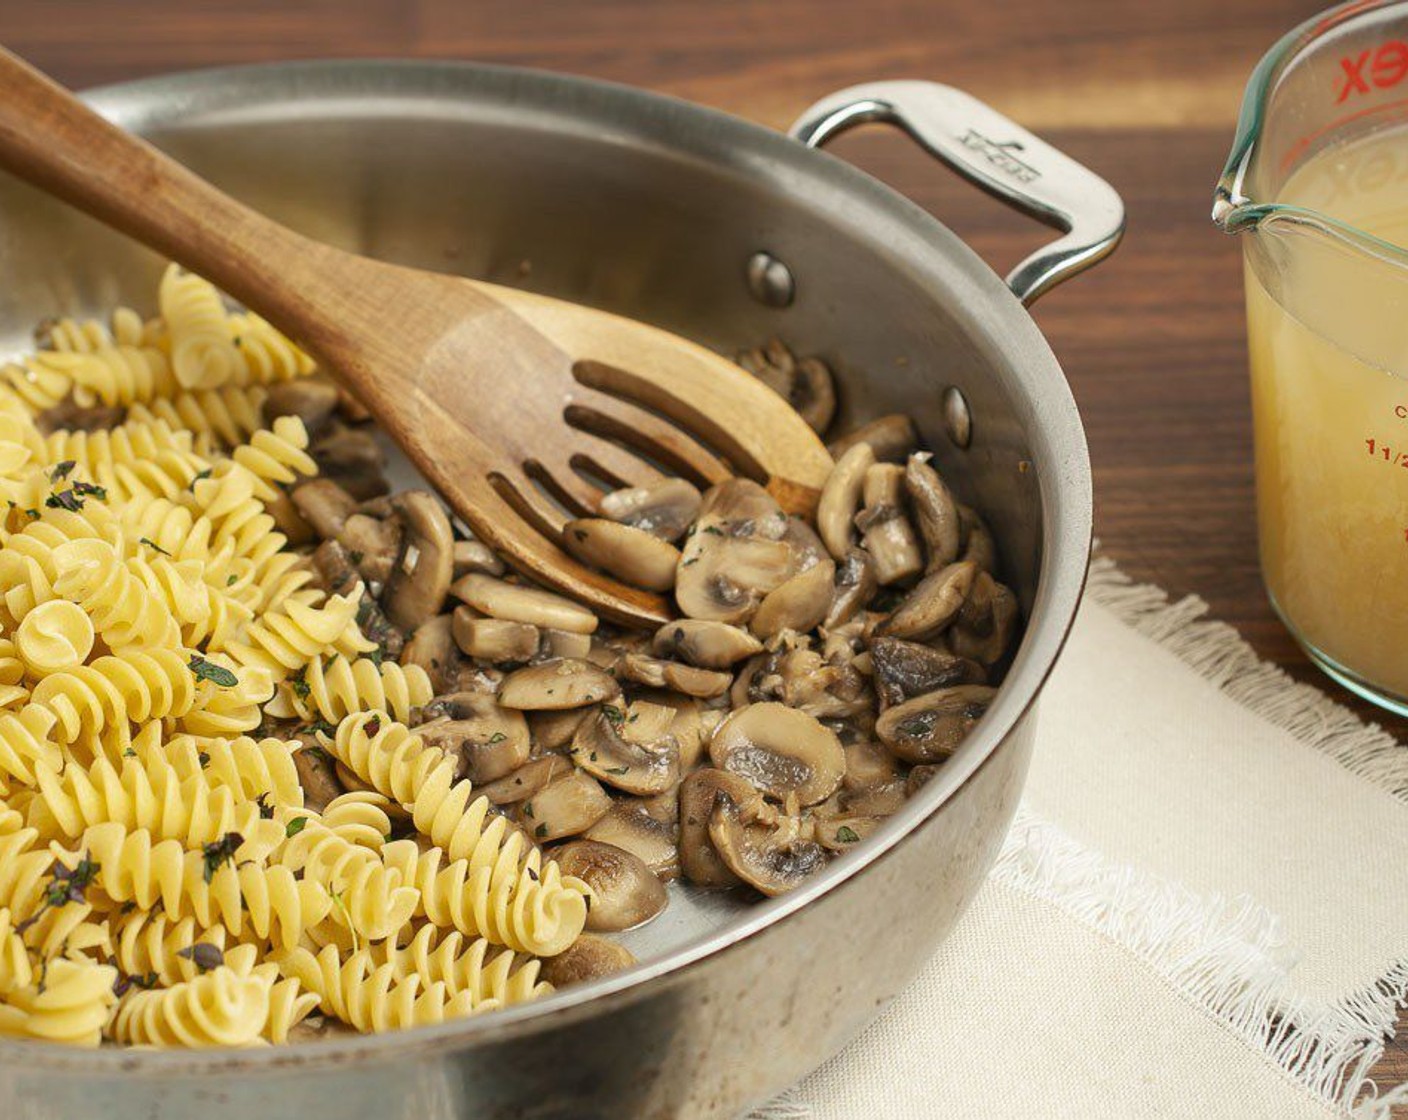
1152 341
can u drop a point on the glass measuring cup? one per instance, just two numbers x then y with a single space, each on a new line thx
1318 181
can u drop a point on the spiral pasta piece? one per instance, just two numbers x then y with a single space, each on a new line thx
333 690
371 998
16 970
219 1008
41 381
22 872
149 943
369 899
27 743
289 1005
285 641
360 817
268 354
276 455
463 965
225 710
119 376
227 416
69 1001
135 460
54 637
123 609
269 901
203 352
131 685
532 909
254 768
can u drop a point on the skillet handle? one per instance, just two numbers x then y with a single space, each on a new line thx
998 155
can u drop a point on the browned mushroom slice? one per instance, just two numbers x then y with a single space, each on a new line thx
930 727
421 576
373 544
631 555
551 730
979 548
709 645
774 858
805 384
512 601
527 781
655 673
867 765
907 669
736 554
987 621
493 639
588 958
807 547
626 894
841 833
853 587
317 774
934 510
698 793
781 751
632 750
433 648
311 399
891 437
840 499
475 556
799 604
554 685
352 458
825 689
931 605
876 801
489 740
629 825
333 565
325 505
564 643
687 724
664 510
566 806
919 777
885 529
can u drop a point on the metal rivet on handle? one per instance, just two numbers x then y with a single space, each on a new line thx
770 280
958 421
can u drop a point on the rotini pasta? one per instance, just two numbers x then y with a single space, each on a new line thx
219 1008
370 899
285 641
462 965
55 636
122 608
276 455
268 355
69 1001
333 690
225 416
131 685
203 352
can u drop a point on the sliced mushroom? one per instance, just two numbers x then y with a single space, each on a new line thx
804 679
892 438
373 544
626 894
698 793
806 384
564 643
907 669
932 604
566 806
551 730
554 685
629 825
799 604
867 765
807 547
317 774
664 510
919 777
709 645
841 833
333 565
433 648
475 556
588 958
516 603
736 554
655 673
987 621
311 399
979 548
840 499
876 801
631 555
325 505
351 457
934 510
420 579
489 740
493 639
783 752
930 727
853 587
630 749
527 781
775 858
885 529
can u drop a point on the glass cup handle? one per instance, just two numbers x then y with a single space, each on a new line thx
998 155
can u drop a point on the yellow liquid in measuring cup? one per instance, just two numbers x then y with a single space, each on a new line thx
1330 398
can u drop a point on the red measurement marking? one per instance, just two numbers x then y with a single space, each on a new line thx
1386 66
1386 453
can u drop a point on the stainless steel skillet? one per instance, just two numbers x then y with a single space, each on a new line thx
727 233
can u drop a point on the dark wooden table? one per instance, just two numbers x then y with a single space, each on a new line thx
1146 93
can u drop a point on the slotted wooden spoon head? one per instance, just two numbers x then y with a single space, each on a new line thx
508 401
491 392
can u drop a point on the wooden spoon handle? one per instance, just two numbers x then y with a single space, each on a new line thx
53 140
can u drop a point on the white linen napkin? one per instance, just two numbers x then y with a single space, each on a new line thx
1201 911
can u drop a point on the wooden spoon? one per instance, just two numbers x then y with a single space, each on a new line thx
490 391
